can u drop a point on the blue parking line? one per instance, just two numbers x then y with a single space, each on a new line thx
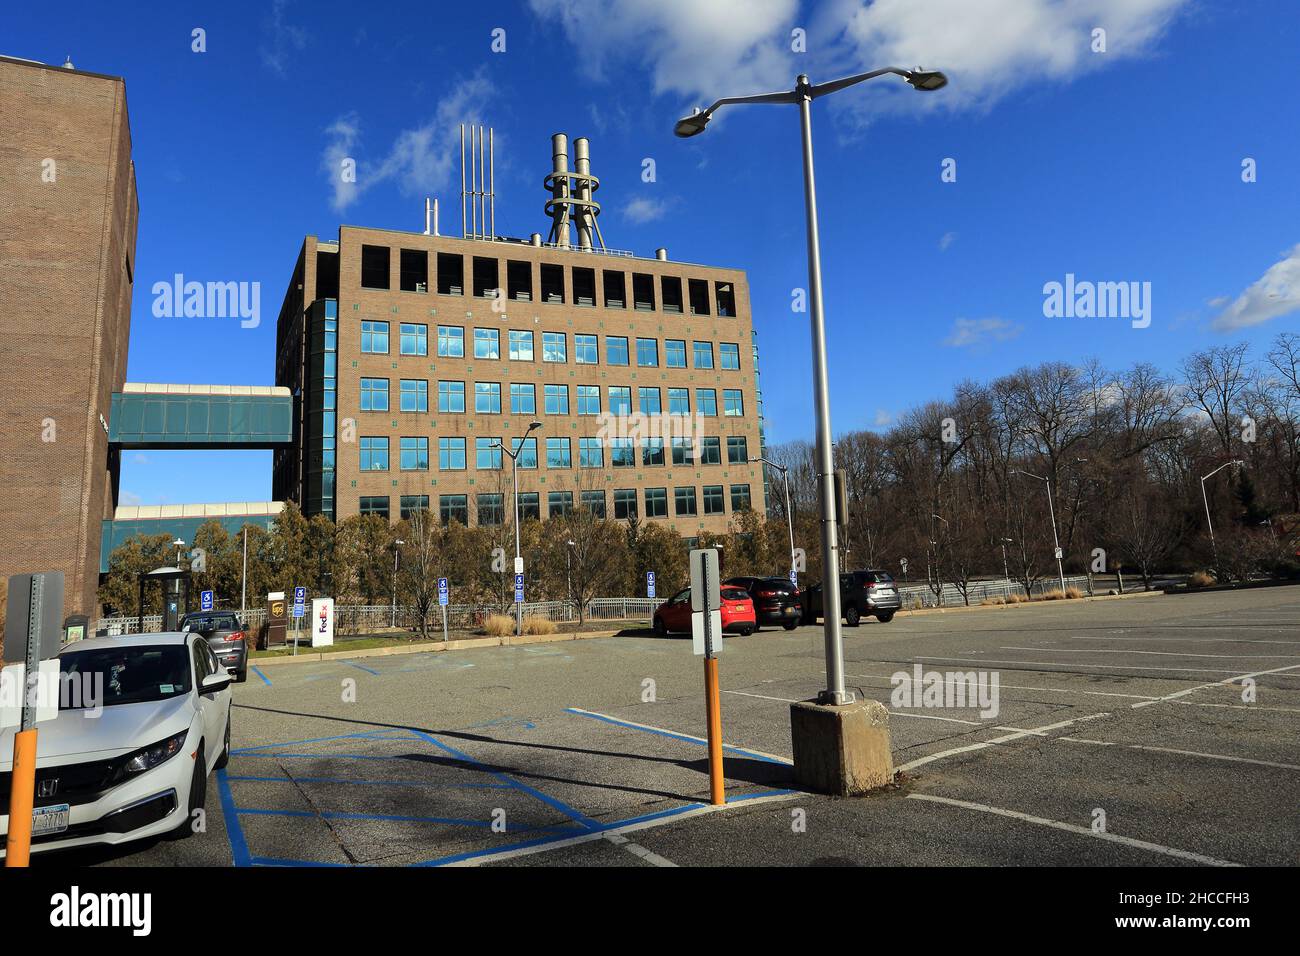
330 756
343 815
276 861
258 671
377 783
310 740
363 667
675 736
234 831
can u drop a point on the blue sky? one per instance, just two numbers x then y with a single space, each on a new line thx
1123 165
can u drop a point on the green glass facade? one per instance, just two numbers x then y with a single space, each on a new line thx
172 421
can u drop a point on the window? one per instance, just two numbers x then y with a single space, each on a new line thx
521 346
451 397
375 505
558 503
652 451
374 456
491 509
451 341
737 450
374 267
656 502
643 292
485 277
733 403
414 395
699 292
451 274
683 451
590 453
615 290
647 353
519 280
415 453
713 500
671 290
411 504
487 344
487 398
624 503
706 402
616 350
553 349
453 508
451 453
622 452
523 399
558 454
684 501
704 355
528 506
739 497
552 283
648 399
588 399
527 453
726 295
730 353
414 339
711 451
487 454
585 351
620 400
374 394
584 286
679 401
374 337
556 399
414 269
674 353
594 501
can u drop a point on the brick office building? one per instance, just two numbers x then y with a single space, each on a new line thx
68 210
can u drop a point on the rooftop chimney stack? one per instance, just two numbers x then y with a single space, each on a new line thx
571 195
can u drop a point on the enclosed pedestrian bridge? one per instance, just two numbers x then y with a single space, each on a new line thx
158 416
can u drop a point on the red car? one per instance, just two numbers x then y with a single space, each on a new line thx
737 612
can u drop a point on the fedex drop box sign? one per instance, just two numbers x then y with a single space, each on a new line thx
322 622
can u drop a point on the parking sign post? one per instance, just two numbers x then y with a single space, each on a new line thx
706 632
299 611
443 597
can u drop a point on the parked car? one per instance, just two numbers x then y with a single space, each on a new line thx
226 637
140 768
862 594
776 600
737 613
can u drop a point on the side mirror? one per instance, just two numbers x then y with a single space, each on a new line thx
215 682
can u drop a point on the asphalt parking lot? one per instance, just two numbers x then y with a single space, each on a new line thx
1148 730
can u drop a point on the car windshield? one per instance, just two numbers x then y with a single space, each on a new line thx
883 578
735 594
128 675
210 622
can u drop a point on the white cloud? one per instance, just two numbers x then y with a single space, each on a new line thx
1275 293
420 160
883 417
128 499
971 332
281 39
947 240
643 209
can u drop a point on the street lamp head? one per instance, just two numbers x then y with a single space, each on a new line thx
692 125
926 81
534 424
178 543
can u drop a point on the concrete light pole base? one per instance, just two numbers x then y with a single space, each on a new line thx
841 750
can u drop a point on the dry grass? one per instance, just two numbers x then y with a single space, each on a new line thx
539 625
991 601
1201 579
500 625
1073 593
1017 598
1056 594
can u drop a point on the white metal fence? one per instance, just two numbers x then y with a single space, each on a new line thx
922 595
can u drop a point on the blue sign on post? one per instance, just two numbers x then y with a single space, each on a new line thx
794 577
649 584
205 600
442 591
519 589
299 599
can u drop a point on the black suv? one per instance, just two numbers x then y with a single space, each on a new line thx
862 594
776 600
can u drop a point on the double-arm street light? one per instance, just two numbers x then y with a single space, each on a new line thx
1051 510
514 478
802 96
789 516
1234 463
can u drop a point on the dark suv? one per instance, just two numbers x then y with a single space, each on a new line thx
225 635
776 600
862 594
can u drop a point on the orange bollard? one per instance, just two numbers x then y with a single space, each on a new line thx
713 703
18 843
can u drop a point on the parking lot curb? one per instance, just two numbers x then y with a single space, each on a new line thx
314 657
1013 607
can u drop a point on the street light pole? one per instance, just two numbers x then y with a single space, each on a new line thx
1051 509
1214 547
396 545
802 96
789 515
514 480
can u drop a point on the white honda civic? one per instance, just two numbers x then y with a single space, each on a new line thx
143 720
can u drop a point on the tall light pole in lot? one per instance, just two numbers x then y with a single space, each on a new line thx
397 544
789 516
802 96
1234 463
1051 509
514 478
1006 573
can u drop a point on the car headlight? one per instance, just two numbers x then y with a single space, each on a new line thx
149 757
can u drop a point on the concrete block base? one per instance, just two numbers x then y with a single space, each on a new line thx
844 750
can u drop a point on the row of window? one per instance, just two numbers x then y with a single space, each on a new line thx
413 339
414 397
413 452
485 282
490 508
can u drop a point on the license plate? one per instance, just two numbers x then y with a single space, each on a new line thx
50 819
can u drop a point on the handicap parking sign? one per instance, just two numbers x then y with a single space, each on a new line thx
649 584
794 577
442 590
299 599
205 600
519 589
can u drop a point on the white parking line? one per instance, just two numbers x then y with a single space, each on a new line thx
892 713
1007 738
1127 667
1074 828
636 849
1219 683
1112 650
1052 690
1184 753
1191 640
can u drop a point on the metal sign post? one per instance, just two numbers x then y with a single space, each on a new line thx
299 612
649 584
444 596
706 633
